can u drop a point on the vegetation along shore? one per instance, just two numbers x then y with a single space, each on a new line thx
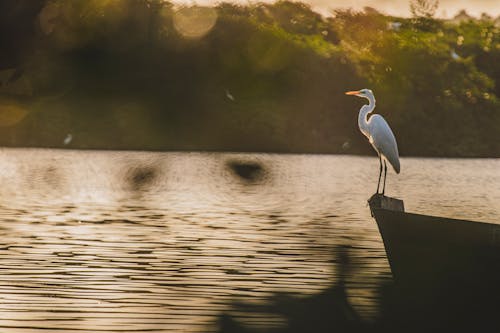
139 74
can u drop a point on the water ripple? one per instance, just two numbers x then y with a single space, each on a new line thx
166 242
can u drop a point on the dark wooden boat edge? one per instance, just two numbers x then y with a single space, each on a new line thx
379 201
429 248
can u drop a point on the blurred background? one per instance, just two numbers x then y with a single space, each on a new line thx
270 77
203 236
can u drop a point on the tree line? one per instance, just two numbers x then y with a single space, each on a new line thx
145 74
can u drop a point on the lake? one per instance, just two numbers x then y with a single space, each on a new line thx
106 241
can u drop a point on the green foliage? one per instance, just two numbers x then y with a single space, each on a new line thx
267 77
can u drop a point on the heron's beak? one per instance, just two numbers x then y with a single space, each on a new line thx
352 92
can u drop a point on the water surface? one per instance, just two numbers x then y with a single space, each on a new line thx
165 242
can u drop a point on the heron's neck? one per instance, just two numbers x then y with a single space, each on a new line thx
363 114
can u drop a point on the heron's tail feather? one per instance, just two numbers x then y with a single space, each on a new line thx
395 164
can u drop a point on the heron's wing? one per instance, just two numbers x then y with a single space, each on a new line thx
383 140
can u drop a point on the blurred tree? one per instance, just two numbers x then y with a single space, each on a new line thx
17 30
424 8
268 77
423 12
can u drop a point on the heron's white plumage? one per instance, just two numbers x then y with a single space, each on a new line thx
378 133
383 140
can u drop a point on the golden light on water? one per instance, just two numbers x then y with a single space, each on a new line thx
11 113
195 21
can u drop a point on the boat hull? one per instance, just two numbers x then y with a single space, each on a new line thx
446 271
428 249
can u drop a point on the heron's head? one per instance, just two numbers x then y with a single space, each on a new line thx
366 93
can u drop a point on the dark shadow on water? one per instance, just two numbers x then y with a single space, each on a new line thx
247 171
141 177
450 306
45 179
328 311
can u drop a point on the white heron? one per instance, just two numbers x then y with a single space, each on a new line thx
378 133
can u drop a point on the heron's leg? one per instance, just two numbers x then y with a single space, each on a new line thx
385 176
380 173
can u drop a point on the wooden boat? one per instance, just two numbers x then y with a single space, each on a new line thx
431 250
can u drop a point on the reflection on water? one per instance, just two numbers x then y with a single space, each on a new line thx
132 241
